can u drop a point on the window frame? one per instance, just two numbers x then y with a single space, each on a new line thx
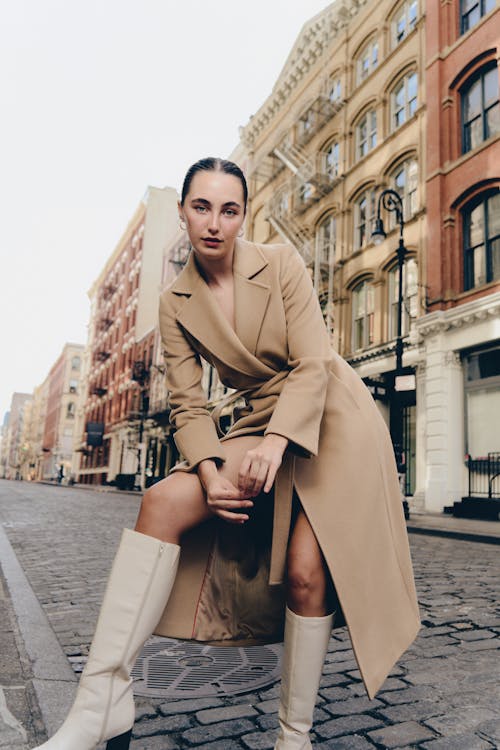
482 12
409 300
408 108
361 239
368 318
370 118
407 196
469 250
332 174
331 244
478 77
373 60
404 9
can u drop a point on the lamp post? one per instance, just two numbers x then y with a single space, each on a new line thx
391 201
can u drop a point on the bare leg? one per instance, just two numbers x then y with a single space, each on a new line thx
177 504
307 574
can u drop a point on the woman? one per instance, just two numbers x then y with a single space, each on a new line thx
301 491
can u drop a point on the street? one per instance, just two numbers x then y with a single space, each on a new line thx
442 695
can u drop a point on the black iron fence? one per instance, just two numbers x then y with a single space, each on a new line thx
484 476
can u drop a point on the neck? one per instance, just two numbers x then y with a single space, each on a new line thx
216 270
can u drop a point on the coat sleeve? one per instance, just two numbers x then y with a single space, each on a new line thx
299 409
195 432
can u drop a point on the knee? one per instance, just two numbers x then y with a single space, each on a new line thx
305 583
157 499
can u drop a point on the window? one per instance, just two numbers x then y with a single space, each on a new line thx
334 89
306 125
75 363
481 227
70 410
404 21
404 100
325 238
366 134
480 109
472 10
482 391
367 61
362 315
410 299
364 215
73 386
404 180
331 160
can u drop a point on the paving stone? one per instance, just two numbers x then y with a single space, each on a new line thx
212 715
409 694
458 742
228 729
166 725
422 710
187 706
353 706
490 729
474 635
220 745
335 693
486 645
269 707
154 743
401 734
460 721
345 743
259 740
346 725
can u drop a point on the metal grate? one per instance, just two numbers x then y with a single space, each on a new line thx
183 669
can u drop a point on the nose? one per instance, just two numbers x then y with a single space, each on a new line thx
213 223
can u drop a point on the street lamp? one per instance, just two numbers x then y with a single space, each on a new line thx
391 201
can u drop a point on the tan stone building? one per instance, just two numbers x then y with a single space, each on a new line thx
346 119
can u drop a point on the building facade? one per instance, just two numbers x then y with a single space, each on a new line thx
460 335
58 414
113 412
345 120
14 447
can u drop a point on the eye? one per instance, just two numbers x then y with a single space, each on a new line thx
230 212
200 209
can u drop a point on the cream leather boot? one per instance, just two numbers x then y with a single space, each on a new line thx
138 588
306 644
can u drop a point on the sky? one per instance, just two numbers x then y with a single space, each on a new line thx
101 98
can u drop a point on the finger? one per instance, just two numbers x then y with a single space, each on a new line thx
236 518
227 504
271 476
261 478
243 472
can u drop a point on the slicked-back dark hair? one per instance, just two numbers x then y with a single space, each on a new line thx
214 164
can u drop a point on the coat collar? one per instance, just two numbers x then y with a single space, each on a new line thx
202 317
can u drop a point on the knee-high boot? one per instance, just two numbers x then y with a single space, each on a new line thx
138 589
306 644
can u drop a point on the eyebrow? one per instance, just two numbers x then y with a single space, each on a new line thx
207 203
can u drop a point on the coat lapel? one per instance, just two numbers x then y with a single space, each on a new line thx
203 318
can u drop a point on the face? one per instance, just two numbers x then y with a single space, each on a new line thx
213 211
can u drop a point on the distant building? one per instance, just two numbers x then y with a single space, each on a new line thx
62 386
460 335
124 311
14 454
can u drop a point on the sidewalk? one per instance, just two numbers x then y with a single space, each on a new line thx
468 529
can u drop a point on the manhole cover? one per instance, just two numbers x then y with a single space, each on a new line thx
180 669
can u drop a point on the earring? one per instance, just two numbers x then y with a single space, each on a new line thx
181 223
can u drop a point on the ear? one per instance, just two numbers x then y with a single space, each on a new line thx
180 211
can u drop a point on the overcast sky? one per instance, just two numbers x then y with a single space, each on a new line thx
101 98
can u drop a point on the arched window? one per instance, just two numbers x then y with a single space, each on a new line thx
481 238
367 61
480 109
404 21
366 133
472 10
404 179
410 298
331 161
75 363
334 89
363 305
325 238
404 100
70 410
364 215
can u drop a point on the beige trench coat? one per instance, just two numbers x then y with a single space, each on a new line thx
339 464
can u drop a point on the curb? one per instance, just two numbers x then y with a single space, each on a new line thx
465 536
53 680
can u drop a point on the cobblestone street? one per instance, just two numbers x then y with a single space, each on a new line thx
443 694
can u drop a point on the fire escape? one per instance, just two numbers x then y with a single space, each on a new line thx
310 178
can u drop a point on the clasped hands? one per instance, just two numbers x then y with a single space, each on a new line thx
257 472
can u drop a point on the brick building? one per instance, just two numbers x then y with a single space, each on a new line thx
460 336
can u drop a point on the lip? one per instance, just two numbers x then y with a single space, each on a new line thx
211 241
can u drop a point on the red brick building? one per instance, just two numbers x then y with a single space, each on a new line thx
124 308
461 334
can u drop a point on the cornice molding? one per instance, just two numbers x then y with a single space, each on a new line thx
459 317
314 42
